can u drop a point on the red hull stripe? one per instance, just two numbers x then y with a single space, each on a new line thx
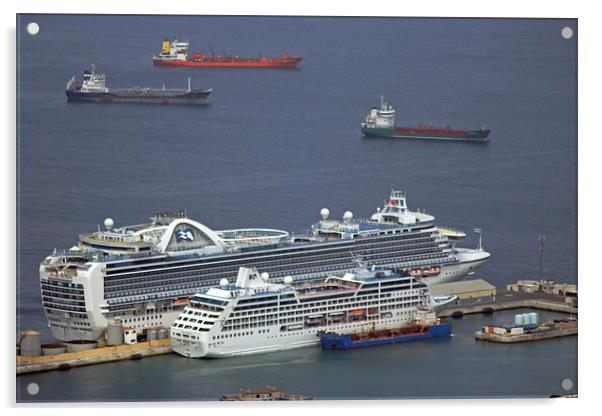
233 64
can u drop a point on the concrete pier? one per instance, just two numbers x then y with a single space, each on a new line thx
26 364
510 300
531 336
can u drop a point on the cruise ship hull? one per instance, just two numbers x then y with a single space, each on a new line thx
174 257
69 329
272 341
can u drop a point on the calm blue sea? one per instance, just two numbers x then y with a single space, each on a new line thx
276 146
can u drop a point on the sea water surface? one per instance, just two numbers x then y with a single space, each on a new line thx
276 146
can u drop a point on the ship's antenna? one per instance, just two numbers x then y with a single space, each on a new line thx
382 101
93 68
479 232
188 84
541 239
210 48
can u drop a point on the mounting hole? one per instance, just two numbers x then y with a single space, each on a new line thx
566 384
33 389
566 32
33 28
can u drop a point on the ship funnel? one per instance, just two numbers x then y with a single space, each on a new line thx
165 46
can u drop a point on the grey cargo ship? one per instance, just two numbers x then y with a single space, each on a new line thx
92 88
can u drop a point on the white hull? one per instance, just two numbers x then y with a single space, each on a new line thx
68 331
469 260
274 340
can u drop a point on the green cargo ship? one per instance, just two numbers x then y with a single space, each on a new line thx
380 122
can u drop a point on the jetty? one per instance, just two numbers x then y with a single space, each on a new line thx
531 336
479 296
65 361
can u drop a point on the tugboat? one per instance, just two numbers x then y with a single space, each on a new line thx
380 122
176 53
93 89
424 326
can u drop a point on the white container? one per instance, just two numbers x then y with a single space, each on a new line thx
129 336
498 330
517 331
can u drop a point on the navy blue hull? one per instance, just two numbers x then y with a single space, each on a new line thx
335 341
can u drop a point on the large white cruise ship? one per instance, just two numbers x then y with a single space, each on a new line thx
144 275
255 316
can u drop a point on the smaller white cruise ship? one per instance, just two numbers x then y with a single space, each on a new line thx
254 315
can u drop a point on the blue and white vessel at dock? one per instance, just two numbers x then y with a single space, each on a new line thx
144 275
254 315
418 330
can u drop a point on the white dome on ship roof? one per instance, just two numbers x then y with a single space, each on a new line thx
109 223
223 282
288 280
348 216
324 212
265 276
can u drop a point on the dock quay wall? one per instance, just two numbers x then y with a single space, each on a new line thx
531 336
542 304
26 364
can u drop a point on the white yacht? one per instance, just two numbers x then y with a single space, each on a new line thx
144 275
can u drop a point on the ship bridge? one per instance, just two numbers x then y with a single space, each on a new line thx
394 216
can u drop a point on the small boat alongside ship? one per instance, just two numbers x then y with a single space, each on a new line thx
380 122
425 326
92 88
177 53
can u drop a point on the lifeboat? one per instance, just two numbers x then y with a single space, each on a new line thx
415 272
432 271
357 311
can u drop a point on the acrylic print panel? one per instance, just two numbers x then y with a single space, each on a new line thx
242 134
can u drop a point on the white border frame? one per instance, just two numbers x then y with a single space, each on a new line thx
589 34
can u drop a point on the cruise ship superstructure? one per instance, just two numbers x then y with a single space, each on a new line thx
144 275
254 315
